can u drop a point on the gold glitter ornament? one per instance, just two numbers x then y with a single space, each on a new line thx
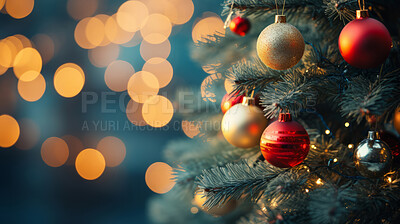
243 124
373 157
280 46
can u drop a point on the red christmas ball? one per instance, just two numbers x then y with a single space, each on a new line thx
229 101
240 26
285 143
365 42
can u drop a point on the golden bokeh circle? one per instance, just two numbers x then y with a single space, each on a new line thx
19 9
28 59
54 152
90 164
161 68
114 33
207 27
113 150
131 15
156 29
157 111
159 177
148 50
69 80
95 31
6 53
9 131
117 75
142 85
80 34
32 90
134 113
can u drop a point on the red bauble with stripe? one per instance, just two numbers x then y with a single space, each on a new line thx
285 143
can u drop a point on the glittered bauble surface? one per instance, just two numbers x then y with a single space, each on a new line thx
365 43
229 101
372 156
242 125
280 46
396 120
285 143
240 25
224 209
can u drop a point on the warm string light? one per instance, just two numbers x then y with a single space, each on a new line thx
319 181
327 131
347 124
350 146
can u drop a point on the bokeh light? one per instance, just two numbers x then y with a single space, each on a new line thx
185 9
208 26
45 45
90 164
191 128
117 75
6 54
103 18
9 131
2 2
95 31
148 50
207 93
29 135
113 150
134 113
32 89
54 152
159 177
229 85
26 43
75 146
80 34
157 111
114 33
79 9
103 56
19 9
161 68
131 15
156 29
142 85
69 80
28 59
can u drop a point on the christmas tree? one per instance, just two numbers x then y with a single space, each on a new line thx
325 74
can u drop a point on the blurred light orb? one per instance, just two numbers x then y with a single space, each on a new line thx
9 131
69 80
207 91
114 33
159 178
207 27
161 68
157 111
142 85
26 43
156 29
131 15
79 9
183 11
134 113
45 46
148 50
113 150
75 146
103 18
229 85
6 53
117 75
90 164
28 59
191 128
103 56
32 89
2 3
29 135
95 31
17 43
54 152
80 34
19 9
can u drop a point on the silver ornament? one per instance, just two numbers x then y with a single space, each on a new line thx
280 45
243 124
373 157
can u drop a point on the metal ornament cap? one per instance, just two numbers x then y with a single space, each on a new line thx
372 156
360 14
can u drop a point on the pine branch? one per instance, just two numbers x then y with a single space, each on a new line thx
235 181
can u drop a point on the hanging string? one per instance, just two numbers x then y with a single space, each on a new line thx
363 5
276 5
229 18
283 9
